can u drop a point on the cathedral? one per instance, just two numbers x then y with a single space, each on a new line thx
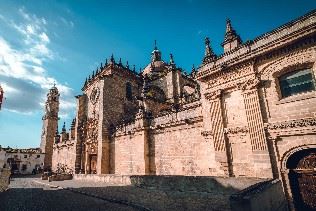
249 112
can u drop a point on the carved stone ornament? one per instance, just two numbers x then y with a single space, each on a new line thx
206 133
236 130
213 95
92 148
82 129
292 124
249 84
92 130
94 96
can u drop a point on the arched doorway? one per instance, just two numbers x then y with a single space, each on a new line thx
93 164
302 178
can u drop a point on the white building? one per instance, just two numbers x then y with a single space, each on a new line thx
22 161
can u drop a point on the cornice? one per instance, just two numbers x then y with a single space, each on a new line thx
236 130
291 128
111 69
298 123
281 36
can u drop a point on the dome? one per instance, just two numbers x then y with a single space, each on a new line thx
155 66
53 90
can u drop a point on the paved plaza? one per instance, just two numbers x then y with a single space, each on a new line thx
28 194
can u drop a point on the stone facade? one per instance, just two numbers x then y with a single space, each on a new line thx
22 161
229 117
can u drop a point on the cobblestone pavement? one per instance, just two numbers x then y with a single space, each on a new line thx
27 194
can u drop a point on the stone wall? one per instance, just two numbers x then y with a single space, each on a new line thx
64 155
181 150
170 144
262 196
4 178
167 192
130 156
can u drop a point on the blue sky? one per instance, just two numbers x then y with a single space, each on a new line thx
64 41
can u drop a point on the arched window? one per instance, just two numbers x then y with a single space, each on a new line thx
129 93
297 82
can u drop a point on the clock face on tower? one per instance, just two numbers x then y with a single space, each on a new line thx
94 96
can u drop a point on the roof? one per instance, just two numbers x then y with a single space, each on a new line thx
279 37
28 151
155 66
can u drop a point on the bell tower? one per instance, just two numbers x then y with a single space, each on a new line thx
50 124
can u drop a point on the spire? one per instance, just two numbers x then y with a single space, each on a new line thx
209 54
73 123
156 54
112 59
106 62
127 65
120 62
231 39
97 71
89 78
193 68
92 74
63 130
86 82
171 59
134 68
194 71
101 66
229 27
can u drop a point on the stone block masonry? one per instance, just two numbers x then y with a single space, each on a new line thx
164 192
249 112
4 179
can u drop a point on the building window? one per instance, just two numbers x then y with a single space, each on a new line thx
129 93
25 156
24 167
297 82
38 156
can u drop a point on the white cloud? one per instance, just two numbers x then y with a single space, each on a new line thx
44 37
66 22
22 74
8 88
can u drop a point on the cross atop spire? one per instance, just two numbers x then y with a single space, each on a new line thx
156 54
171 59
229 27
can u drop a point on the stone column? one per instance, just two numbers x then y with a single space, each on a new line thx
217 129
83 159
257 135
274 157
254 118
87 163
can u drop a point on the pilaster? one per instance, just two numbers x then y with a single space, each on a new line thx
215 119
